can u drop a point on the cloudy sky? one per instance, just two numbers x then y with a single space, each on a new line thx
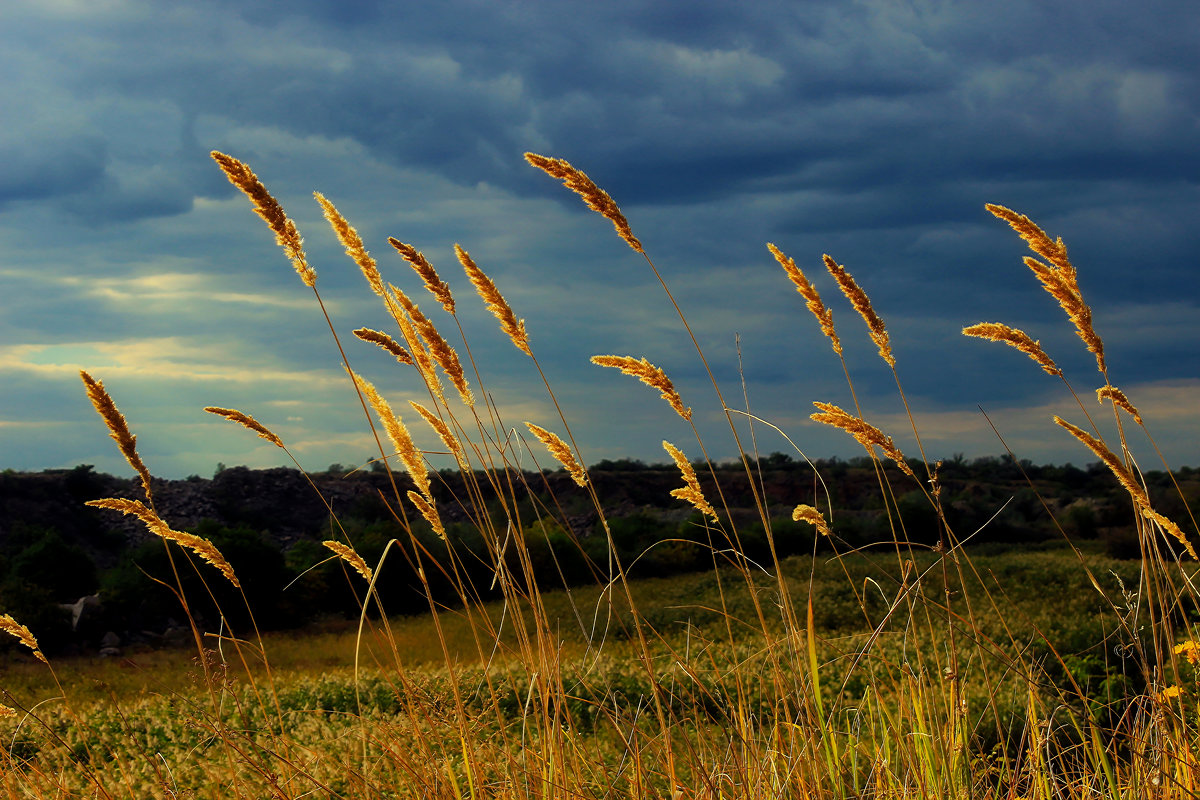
872 131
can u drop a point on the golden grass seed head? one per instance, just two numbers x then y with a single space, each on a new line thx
445 434
648 374
267 207
428 510
438 347
398 434
197 544
999 332
1126 479
864 433
386 342
436 286
23 634
558 448
806 513
596 198
247 421
514 328
348 554
1118 399
691 491
353 243
117 427
422 360
862 304
809 293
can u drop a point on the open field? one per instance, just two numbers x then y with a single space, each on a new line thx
910 666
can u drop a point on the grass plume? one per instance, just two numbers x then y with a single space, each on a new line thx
862 304
353 243
1118 399
267 207
247 421
386 342
118 429
999 332
596 198
648 374
23 635
558 448
864 432
416 259
809 293
512 327
197 544
348 554
690 492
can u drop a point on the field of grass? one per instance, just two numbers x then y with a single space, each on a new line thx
891 671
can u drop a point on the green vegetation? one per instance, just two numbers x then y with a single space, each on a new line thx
806 647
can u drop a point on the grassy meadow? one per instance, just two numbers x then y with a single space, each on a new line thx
893 670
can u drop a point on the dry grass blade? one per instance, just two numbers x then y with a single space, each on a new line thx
691 491
347 554
247 421
1126 479
398 434
862 304
197 544
1118 399
864 432
267 207
596 198
809 293
444 433
117 427
999 332
429 512
514 328
386 342
441 351
648 374
23 634
436 286
1059 277
353 244
804 513
558 448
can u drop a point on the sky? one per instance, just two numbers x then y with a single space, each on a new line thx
871 131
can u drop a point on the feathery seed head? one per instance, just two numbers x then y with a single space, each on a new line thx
445 434
862 304
429 511
386 342
648 374
267 207
809 293
436 286
514 328
691 491
596 198
864 433
247 421
353 244
348 554
22 633
197 544
398 434
117 427
999 332
1118 399
804 513
558 448
441 351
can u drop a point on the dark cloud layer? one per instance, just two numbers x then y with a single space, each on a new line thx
874 131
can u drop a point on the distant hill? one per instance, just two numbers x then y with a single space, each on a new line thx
270 522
